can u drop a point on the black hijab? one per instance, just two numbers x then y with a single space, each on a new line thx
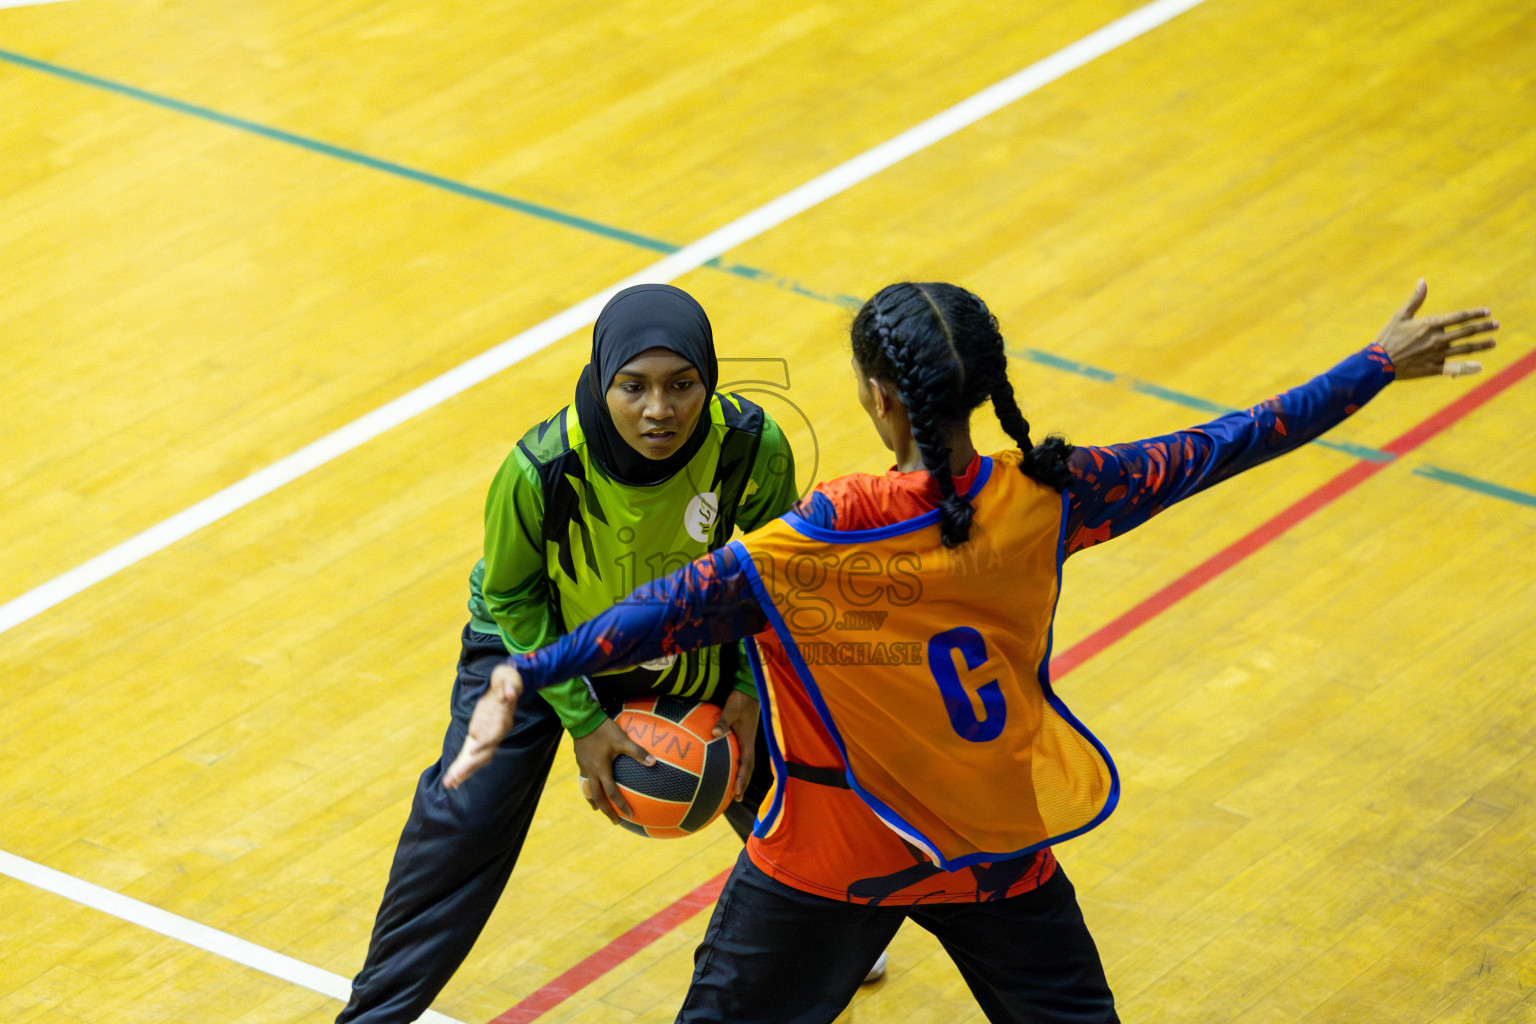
644 317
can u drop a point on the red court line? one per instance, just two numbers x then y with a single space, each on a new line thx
613 954
642 935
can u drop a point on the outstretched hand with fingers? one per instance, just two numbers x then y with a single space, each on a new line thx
488 726
1427 346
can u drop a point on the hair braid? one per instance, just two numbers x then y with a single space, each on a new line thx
1009 415
921 385
1046 461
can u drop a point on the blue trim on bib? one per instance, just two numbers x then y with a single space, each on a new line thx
765 818
809 529
1043 674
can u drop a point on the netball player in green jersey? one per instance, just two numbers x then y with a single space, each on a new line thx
648 469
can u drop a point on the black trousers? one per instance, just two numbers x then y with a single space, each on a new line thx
775 955
458 848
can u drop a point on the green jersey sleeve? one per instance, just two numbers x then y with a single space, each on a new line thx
579 711
770 492
516 586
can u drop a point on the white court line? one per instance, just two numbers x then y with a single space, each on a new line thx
512 351
516 349
201 936
28 3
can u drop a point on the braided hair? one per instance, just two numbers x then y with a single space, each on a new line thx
941 347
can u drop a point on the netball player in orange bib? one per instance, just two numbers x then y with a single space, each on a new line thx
923 764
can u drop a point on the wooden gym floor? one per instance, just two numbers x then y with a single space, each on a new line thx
229 231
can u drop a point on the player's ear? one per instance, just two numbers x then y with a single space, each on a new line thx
883 397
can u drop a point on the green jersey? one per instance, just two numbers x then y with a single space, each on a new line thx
564 542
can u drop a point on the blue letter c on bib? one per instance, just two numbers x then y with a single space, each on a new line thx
957 702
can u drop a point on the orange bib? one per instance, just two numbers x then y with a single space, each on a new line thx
928 667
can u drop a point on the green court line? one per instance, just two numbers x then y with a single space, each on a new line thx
1492 490
657 245
409 173
326 149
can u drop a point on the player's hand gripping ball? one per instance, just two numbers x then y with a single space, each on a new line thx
693 777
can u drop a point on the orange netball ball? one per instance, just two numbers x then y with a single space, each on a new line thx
694 775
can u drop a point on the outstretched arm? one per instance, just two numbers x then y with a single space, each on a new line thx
1119 487
708 601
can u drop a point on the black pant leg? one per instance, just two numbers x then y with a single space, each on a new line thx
775 955
1028 958
456 852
